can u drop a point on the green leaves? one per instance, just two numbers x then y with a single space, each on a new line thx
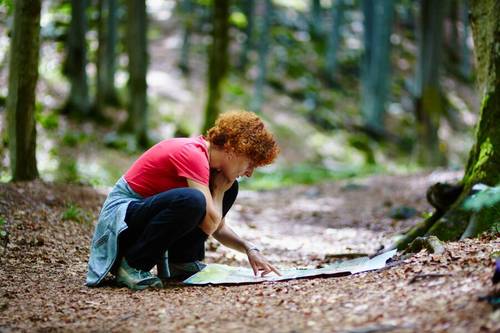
76 214
485 198
3 232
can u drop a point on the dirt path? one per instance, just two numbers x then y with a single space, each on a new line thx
44 262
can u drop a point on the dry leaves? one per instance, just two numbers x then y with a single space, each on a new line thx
44 264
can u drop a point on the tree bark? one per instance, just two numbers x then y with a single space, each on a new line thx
218 61
187 18
429 103
333 44
23 76
378 17
137 50
106 55
264 15
78 102
316 20
249 8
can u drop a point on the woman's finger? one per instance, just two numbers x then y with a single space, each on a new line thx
265 271
274 269
254 268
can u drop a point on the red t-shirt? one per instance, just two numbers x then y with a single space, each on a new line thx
167 164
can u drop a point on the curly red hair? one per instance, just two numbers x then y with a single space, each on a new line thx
243 132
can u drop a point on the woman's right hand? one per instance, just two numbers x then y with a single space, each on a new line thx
219 183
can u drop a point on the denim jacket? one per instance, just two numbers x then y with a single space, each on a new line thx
104 246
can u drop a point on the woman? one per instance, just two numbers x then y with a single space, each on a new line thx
172 198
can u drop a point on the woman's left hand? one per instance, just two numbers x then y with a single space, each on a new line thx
260 264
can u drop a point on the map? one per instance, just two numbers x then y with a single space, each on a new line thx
224 274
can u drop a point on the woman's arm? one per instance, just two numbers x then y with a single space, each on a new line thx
229 238
213 215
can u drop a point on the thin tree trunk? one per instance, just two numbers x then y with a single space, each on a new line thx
106 55
23 76
264 15
137 49
218 61
337 16
186 10
249 9
429 102
316 20
78 102
465 66
376 64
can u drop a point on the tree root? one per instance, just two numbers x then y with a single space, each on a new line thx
417 231
431 244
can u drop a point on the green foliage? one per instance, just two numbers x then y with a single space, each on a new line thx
486 198
76 214
123 142
67 170
73 139
301 174
48 120
238 19
3 232
8 4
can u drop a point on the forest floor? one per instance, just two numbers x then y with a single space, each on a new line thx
49 226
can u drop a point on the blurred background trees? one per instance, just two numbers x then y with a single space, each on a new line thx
349 86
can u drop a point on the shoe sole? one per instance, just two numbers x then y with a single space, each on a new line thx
155 285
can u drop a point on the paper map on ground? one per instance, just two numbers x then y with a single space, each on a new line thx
223 274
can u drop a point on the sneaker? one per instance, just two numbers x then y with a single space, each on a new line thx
185 269
136 279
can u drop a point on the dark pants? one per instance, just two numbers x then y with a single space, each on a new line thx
167 221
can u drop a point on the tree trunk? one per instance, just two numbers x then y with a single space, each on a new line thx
249 8
429 104
78 102
337 16
218 61
316 20
484 158
264 15
23 76
465 66
106 54
137 49
186 12
378 17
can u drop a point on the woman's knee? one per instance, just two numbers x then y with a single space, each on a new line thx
193 201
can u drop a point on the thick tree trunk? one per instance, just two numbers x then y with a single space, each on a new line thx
23 76
137 49
78 102
484 158
106 55
218 61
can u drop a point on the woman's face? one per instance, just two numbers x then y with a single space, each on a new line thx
236 166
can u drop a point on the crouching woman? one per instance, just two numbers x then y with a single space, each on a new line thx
175 195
